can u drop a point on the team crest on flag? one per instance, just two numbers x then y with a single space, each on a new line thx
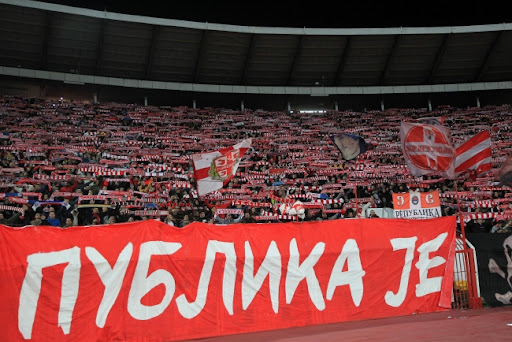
213 170
222 166
427 149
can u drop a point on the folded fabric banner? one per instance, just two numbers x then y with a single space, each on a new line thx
350 146
213 170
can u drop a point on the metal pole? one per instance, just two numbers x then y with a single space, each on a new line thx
357 202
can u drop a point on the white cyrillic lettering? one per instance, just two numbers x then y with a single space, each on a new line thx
395 300
270 266
296 273
429 285
31 288
353 277
142 283
191 309
111 277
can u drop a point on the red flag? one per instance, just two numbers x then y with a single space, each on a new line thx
474 155
427 149
213 170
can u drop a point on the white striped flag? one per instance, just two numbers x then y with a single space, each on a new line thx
213 170
474 155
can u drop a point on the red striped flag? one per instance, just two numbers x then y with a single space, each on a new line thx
475 154
213 170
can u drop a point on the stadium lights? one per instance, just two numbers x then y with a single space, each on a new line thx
312 111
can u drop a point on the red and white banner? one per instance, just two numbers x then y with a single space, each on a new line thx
475 154
213 170
148 281
417 205
427 149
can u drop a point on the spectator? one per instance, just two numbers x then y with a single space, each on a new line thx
478 226
373 214
229 219
169 219
68 223
11 220
501 227
382 170
37 220
52 219
248 218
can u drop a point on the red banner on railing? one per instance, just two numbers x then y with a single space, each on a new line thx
147 281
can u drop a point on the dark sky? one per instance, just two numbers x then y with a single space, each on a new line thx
312 14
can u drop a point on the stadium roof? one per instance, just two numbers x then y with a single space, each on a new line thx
58 42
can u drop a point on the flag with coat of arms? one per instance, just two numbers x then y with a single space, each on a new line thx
213 170
427 149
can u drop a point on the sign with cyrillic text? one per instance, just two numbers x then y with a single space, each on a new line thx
148 281
417 205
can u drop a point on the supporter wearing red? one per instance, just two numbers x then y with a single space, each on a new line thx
69 187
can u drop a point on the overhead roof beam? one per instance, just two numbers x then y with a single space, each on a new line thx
271 90
200 55
250 50
341 64
385 69
99 46
437 60
490 51
46 38
293 66
151 51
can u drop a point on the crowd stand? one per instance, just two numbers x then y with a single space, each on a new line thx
70 163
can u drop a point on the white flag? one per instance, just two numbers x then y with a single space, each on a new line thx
213 170
427 149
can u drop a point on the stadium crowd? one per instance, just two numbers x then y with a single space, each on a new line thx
69 163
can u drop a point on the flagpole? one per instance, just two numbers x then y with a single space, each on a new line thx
357 202
474 300
462 227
